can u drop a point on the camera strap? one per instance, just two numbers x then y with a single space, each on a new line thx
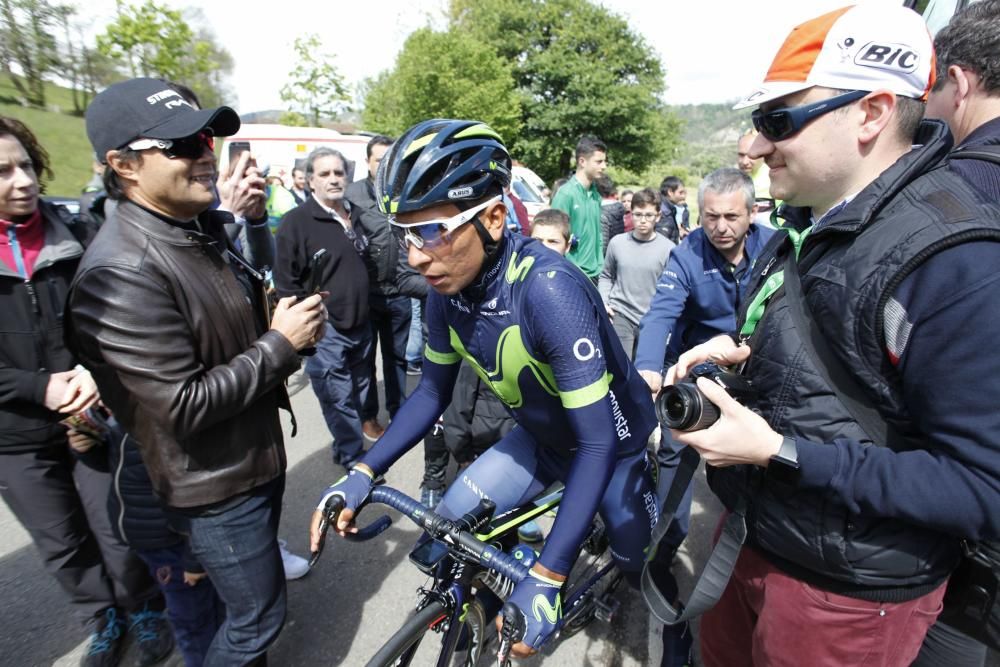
847 389
718 569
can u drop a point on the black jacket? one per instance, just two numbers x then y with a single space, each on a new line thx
304 230
31 338
849 268
667 225
476 419
389 272
612 222
174 330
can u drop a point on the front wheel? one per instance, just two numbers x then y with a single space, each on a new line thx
407 647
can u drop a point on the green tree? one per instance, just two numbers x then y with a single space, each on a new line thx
153 40
443 75
315 86
580 70
27 43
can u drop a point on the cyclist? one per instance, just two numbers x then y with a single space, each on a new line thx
534 328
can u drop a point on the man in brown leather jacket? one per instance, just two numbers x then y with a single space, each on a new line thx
173 324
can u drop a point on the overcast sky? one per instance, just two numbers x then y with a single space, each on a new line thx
712 50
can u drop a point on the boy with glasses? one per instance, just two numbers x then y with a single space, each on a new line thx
631 266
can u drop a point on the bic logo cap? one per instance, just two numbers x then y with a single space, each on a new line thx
863 47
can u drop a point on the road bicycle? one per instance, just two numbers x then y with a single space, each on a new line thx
473 564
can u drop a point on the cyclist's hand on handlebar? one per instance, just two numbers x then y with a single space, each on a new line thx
354 488
721 350
539 599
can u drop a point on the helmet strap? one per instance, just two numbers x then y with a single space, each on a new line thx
489 245
476 290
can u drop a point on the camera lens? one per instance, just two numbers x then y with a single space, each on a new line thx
684 408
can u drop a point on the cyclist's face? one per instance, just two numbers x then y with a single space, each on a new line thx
452 265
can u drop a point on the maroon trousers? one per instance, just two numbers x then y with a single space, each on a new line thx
768 618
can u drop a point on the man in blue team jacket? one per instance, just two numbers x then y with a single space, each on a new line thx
698 295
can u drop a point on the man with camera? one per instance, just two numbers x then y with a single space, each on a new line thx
172 321
872 444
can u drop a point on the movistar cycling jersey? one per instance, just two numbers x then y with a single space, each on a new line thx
539 335
541 338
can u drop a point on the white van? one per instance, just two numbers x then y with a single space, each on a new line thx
278 147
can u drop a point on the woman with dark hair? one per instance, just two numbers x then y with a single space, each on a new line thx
61 502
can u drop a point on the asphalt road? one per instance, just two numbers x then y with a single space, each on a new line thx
342 612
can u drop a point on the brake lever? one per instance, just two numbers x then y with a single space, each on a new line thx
512 629
329 516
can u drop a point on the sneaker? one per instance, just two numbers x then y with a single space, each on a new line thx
530 532
414 367
106 642
152 635
677 646
296 567
430 497
372 430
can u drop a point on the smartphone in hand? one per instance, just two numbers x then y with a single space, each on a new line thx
314 284
317 264
237 148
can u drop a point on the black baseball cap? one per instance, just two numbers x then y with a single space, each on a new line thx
150 109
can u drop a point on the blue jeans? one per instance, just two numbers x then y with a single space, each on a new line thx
390 323
195 612
339 375
415 342
237 543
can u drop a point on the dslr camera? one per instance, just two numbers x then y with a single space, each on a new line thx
683 407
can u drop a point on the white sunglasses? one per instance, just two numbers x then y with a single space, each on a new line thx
433 233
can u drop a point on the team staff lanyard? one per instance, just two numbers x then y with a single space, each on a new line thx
755 310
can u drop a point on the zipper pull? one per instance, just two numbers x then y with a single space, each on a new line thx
34 296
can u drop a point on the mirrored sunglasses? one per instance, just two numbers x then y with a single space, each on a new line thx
433 233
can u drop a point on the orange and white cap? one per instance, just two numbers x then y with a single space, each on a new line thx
863 47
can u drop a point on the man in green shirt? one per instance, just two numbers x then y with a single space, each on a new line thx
580 200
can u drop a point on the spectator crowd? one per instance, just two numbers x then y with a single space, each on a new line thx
841 264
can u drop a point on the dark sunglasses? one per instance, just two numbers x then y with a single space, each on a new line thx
191 148
782 123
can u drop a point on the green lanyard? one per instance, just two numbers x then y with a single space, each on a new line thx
755 310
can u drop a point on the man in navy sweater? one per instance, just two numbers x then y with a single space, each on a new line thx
855 508
966 94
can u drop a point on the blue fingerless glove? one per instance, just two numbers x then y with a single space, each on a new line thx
539 601
354 488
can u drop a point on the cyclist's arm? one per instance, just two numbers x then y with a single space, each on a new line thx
672 290
564 323
422 408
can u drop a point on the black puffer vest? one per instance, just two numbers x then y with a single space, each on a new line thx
849 268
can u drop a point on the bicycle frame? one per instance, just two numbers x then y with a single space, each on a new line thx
470 552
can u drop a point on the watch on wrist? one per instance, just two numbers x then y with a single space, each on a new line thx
784 466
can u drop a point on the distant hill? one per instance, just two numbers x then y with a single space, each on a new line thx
709 137
712 123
